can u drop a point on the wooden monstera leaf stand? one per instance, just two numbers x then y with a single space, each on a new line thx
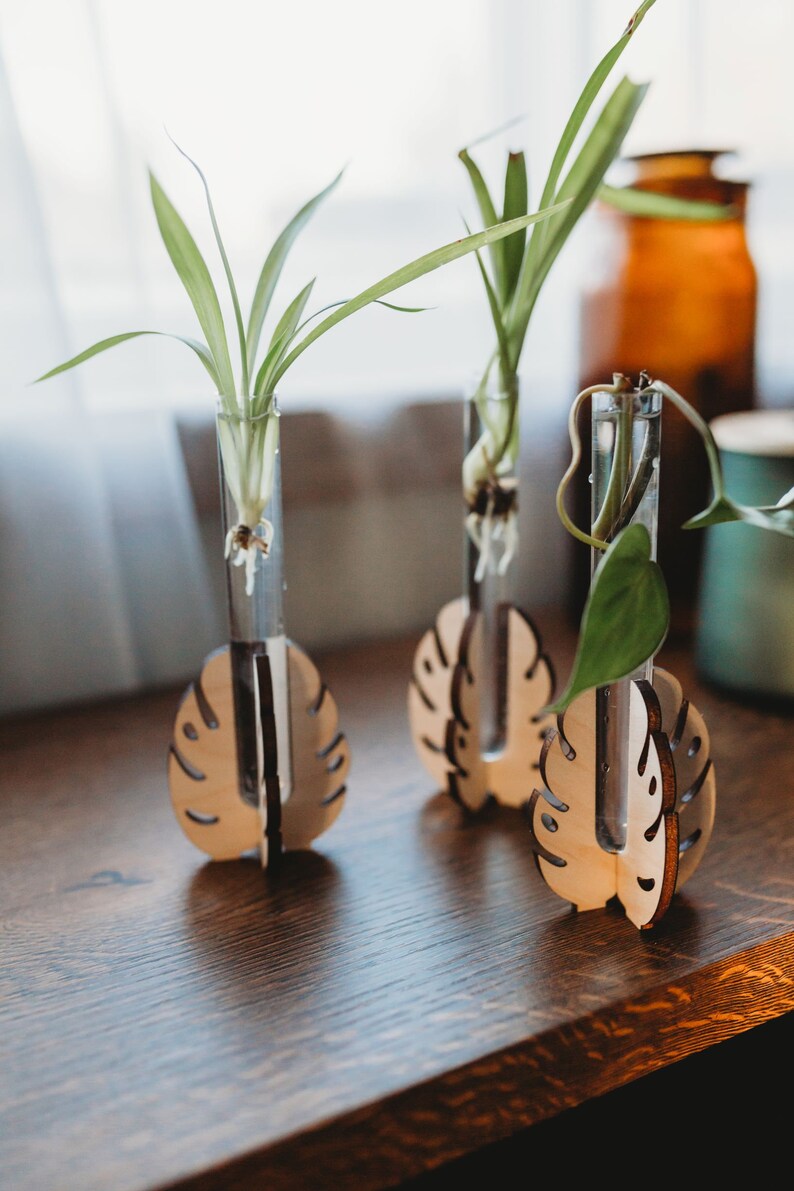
444 712
670 804
203 763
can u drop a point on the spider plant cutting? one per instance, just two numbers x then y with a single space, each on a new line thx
519 265
248 430
499 711
627 614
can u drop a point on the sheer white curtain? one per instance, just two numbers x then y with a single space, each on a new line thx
104 584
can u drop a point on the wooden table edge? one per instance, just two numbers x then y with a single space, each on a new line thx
513 1088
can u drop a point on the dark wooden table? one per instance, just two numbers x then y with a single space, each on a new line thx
406 994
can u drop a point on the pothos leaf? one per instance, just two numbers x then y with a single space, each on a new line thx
778 518
626 617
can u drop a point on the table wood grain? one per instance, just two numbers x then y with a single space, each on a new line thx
408 992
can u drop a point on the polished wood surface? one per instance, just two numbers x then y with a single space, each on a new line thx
407 993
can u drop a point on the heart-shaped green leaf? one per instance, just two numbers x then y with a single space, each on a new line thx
625 619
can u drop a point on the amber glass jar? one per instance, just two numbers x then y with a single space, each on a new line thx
676 299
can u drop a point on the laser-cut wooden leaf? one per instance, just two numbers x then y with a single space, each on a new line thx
696 785
430 689
202 764
511 775
202 770
562 817
320 756
443 708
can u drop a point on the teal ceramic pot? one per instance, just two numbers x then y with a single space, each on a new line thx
744 639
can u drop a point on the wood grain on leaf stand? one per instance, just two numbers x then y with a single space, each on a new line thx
670 804
202 764
443 708
202 769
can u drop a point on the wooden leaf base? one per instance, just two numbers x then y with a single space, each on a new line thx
202 764
443 708
671 804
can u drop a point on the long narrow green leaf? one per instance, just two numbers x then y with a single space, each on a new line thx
238 316
285 329
586 100
410 272
652 205
378 302
487 212
480 188
195 345
580 185
580 112
195 276
496 315
274 263
264 385
516 204
292 315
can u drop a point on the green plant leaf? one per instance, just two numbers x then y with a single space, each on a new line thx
496 315
586 100
200 349
280 342
487 211
282 335
480 188
580 185
516 204
410 272
651 205
777 518
532 277
227 269
274 263
195 276
292 315
626 617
